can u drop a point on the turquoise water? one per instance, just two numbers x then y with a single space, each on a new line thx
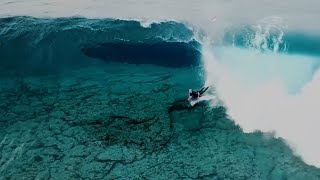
67 114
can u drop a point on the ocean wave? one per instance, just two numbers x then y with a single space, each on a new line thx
54 42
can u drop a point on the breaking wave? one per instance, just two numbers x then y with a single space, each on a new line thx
268 78
27 43
265 75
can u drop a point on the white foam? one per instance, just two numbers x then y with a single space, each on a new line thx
211 98
262 100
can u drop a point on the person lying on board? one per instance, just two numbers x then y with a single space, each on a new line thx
194 95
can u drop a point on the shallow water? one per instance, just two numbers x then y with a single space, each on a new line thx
129 121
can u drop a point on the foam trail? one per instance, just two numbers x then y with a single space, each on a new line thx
267 105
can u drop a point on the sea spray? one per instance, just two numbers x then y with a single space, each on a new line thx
276 95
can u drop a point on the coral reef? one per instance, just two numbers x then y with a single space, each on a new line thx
129 122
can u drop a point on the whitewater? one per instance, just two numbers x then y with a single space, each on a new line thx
263 87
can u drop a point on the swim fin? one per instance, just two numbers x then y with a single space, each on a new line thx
202 90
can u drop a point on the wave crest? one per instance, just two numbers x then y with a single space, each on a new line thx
28 42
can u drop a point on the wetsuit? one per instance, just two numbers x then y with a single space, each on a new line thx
194 95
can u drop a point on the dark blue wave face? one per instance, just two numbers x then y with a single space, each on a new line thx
292 42
172 54
28 43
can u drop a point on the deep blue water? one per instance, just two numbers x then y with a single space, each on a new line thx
52 43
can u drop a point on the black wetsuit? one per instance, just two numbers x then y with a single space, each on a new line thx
194 95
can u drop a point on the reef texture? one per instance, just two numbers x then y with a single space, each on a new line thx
129 122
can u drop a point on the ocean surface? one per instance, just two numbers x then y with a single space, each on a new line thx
99 89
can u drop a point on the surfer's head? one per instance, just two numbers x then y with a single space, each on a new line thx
190 90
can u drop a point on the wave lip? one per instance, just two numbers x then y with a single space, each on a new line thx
274 41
